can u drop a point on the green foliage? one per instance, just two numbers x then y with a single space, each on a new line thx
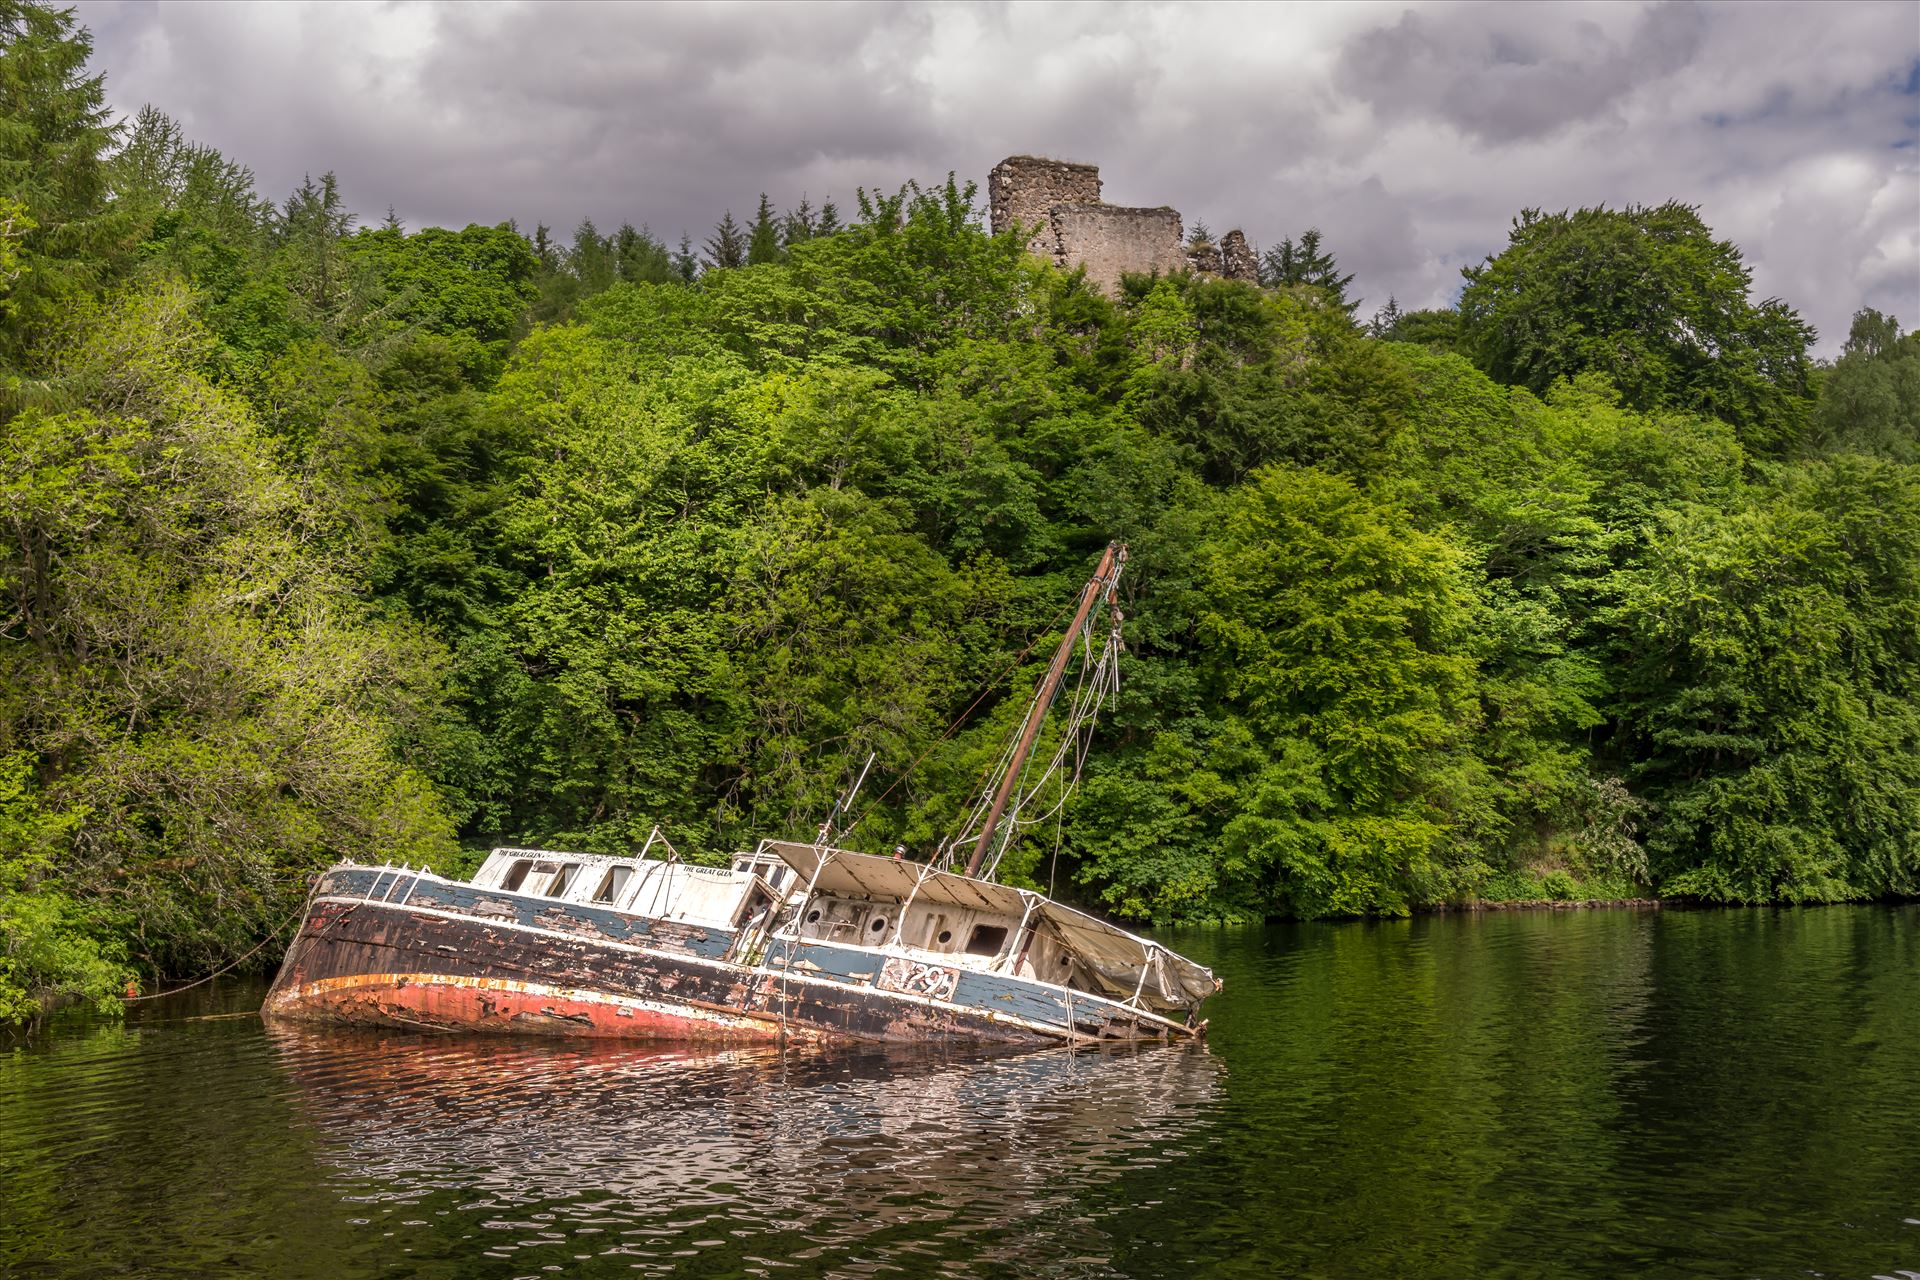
1342 636
473 284
1257 378
63 236
48 955
1771 661
1870 401
319 541
188 671
1435 330
1650 299
727 246
1306 265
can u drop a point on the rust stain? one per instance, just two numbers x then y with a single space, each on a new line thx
439 970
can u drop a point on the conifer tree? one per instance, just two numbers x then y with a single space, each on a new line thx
727 246
157 171
763 242
545 249
54 137
309 234
829 219
1305 263
798 225
639 258
686 264
591 259
1385 319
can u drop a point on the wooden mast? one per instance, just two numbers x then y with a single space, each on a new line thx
1101 582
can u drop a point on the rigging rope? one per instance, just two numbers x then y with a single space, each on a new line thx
1098 679
1076 739
986 689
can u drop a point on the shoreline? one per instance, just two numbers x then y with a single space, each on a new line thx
1545 904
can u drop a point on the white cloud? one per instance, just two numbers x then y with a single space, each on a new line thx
1410 134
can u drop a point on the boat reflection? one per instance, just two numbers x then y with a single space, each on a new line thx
574 1149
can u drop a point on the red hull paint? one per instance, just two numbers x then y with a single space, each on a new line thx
437 964
446 1003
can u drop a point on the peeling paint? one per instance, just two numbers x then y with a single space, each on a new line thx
453 958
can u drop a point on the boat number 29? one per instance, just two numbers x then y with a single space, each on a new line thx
931 980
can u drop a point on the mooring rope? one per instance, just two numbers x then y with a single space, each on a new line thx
201 982
306 905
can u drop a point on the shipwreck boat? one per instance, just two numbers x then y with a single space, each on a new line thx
795 940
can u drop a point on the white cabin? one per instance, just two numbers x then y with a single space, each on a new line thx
720 897
885 905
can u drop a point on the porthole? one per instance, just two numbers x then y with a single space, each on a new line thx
946 936
878 925
812 917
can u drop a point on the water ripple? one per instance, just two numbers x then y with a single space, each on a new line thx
1689 1093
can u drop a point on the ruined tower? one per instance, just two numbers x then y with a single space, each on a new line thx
1071 225
1075 228
1025 190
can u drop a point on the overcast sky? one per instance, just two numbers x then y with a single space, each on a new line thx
1411 134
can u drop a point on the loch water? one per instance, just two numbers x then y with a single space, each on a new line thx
1599 1093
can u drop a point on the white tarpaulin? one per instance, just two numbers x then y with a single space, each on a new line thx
1115 957
864 875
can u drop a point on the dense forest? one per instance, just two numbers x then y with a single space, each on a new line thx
322 540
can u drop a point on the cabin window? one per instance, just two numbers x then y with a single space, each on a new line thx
946 936
813 917
613 884
986 939
563 880
516 875
879 924
756 903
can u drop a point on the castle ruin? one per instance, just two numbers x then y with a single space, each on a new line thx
1060 202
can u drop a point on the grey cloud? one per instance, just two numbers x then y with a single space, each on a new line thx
1506 72
1410 136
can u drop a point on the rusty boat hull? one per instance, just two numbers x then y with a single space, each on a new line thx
404 949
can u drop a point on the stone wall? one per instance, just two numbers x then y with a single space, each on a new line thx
1109 241
1237 260
1076 228
1025 189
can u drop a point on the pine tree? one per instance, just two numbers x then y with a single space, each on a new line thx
1385 320
829 220
591 258
1305 264
686 264
798 226
639 258
310 236
545 249
54 137
763 242
157 171
727 246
